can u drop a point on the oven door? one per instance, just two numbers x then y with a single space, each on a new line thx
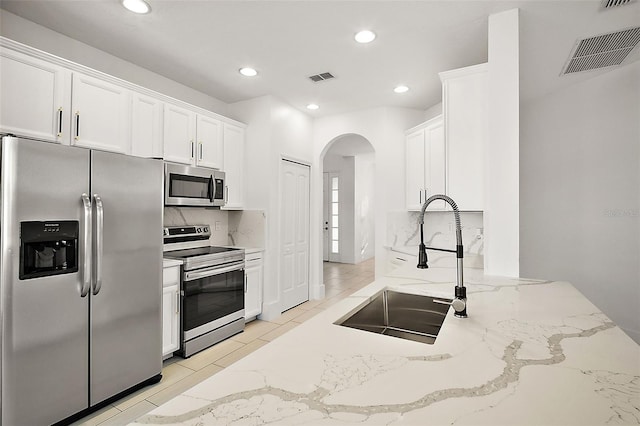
211 298
189 186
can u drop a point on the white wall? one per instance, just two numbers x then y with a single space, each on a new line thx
433 111
39 37
580 191
384 128
501 187
275 130
364 224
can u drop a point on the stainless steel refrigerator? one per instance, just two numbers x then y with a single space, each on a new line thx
81 273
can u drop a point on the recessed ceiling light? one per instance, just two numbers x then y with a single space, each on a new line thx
312 106
401 89
365 36
137 6
248 72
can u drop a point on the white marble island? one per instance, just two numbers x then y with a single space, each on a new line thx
531 352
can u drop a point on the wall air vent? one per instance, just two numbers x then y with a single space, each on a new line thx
608 4
602 51
321 77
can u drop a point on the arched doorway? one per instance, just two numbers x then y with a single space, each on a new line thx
348 170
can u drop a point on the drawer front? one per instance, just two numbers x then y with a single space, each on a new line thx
253 256
170 276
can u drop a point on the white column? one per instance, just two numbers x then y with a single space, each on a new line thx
502 191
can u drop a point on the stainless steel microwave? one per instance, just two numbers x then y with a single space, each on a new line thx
193 186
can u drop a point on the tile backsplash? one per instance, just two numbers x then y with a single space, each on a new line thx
439 230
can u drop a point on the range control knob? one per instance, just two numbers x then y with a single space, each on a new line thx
198 230
206 229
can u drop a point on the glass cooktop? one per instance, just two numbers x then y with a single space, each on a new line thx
200 251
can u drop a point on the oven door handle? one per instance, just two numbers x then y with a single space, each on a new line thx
209 272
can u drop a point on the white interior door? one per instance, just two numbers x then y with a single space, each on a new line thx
294 234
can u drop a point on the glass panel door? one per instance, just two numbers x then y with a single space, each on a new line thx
335 214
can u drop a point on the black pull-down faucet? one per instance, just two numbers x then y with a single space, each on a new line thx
459 304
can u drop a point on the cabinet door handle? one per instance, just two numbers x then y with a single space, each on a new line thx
245 283
192 150
420 197
77 125
177 302
200 144
226 194
59 121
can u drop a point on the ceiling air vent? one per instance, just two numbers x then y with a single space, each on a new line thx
602 51
321 77
608 4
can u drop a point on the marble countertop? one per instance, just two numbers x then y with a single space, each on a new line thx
531 352
167 263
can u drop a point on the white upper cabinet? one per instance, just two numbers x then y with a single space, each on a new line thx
179 134
192 138
35 97
146 126
464 105
234 166
425 164
101 114
414 142
52 99
210 145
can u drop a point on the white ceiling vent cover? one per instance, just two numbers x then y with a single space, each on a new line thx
602 51
321 77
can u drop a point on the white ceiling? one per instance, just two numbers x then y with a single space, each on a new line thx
202 44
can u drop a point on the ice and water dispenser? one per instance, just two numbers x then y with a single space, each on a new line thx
48 248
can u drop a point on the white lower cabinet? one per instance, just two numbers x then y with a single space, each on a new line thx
253 286
170 310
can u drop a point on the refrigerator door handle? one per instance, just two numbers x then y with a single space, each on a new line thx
99 243
86 273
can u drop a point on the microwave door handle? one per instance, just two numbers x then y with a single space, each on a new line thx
212 187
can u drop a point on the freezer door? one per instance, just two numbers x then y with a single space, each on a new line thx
44 319
126 324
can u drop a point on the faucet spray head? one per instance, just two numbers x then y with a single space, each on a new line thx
422 257
422 251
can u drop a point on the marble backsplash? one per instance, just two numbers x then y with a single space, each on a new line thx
247 228
236 228
218 221
439 230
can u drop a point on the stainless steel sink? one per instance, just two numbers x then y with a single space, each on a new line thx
403 315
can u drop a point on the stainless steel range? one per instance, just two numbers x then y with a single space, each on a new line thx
211 287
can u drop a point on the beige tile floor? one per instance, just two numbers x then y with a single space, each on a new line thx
178 375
